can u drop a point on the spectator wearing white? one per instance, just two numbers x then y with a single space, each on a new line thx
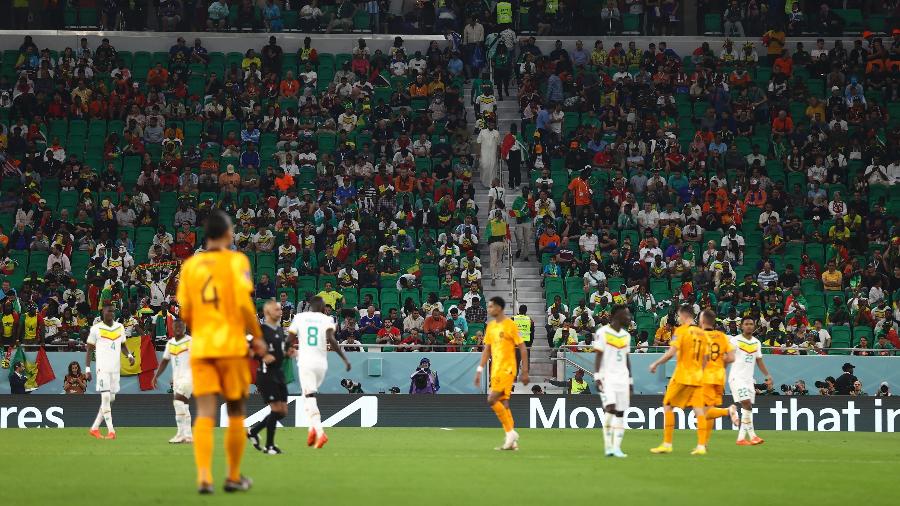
733 244
767 275
57 256
877 174
310 16
692 232
588 240
893 172
837 207
648 217
649 252
710 253
768 213
593 278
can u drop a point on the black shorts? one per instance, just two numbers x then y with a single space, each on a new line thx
271 389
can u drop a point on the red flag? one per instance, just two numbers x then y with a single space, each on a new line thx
44 369
148 363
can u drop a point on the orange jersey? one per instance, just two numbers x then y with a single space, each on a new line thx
214 294
503 347
717 345
690 341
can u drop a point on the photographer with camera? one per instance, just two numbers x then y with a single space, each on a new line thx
351 386
826 388
883 390
797 389
424 380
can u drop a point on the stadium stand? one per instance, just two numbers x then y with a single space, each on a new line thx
719 178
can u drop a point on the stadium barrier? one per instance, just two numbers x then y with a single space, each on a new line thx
829 414
378 372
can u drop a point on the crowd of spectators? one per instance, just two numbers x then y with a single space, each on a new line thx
762 187
751 185
348 176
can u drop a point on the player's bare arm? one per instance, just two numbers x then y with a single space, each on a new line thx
523 352
630 375
159 370
485 355
728 357
127 354
664 358
87 361
329 335
598 364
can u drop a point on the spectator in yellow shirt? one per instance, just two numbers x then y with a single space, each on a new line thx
832 279
330 296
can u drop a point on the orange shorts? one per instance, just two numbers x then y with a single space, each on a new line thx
503 383
683 396
712 394
228 377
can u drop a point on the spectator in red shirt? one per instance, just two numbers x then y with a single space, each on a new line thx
389 334
158 76
782 124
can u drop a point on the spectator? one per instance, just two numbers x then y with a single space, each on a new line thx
74 381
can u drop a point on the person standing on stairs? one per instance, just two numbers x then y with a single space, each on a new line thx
523 211
497 237
496 195
502 70
489 140
513 151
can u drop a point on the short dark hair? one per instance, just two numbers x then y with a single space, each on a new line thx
217 224
523 308
617 307
498 301
686 308
748 318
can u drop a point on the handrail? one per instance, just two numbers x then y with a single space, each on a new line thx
573 364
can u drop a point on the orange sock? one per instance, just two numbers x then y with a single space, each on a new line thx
203 449
668 426
713 413
512 421
503 416
702 429
235 441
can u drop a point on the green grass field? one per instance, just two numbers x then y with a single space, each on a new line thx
456 467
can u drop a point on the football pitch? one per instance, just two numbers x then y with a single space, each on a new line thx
383 466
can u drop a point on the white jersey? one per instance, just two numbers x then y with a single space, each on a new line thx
107 341
615 346
746 351
178 351
311 330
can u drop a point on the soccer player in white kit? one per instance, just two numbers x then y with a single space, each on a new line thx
106 338
747 354
178 351
612 343
314 331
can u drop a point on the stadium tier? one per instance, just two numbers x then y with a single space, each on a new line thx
756 180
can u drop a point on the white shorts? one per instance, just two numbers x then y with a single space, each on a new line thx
311 376
742 391
183 387
620 397
108 382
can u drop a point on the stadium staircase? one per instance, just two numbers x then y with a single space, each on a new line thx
526 287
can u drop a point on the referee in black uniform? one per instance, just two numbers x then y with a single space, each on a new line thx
270 378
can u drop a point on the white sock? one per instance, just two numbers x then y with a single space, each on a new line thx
747 422
618 430
608 432
182 418
312 412
99 419
106 410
